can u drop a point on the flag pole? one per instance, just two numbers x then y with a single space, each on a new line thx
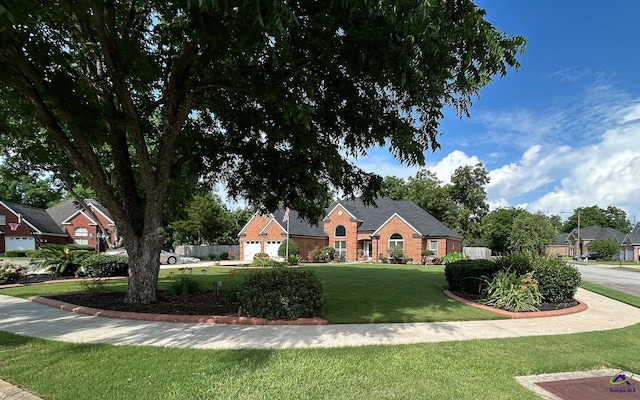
286 217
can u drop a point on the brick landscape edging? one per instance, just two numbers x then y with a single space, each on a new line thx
534 314
200 319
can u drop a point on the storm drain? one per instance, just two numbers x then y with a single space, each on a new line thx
601 384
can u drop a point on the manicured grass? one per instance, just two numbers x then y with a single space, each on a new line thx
368 293
611 293
374 293
478 369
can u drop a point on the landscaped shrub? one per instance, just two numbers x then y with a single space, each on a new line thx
101 265
60 259
329 253
510 291
467 275
452 257
261 260
293 248
317 254
294 260
397 254
10 273
518 262
281 294
15 253
558 281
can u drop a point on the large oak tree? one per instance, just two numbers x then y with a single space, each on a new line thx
269 97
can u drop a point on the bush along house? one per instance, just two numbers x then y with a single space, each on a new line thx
356 232
25 228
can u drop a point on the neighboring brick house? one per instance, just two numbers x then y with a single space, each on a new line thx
567 245
350 226
26 228
559 246
630 245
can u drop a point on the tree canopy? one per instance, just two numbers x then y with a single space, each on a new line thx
269 97
611 217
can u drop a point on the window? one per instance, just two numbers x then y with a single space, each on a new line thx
341 249
80 236
396 240
3 219
341 231
433 246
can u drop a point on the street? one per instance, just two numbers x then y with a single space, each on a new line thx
611 277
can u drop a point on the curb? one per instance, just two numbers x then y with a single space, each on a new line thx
199 319
518 315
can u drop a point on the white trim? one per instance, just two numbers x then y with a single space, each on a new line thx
68 220
272 220
377 231
247 224
344 208
96 209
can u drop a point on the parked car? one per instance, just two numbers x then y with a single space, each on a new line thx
586 257
166 257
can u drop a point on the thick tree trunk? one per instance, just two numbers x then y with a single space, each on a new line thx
144 266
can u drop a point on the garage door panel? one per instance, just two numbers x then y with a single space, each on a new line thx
271 248
251 248
19 243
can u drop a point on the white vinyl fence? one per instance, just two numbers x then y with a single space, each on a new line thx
477 253
204 252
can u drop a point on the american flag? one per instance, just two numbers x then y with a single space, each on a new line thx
286 215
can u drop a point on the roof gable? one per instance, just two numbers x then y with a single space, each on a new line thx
373 217
36 218
391 218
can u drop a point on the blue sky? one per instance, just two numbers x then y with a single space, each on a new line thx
563 131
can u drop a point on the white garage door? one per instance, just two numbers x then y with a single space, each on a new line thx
271 248
19 243
250 249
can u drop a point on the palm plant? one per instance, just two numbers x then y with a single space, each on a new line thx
60 259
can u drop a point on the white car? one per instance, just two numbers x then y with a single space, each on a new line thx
166 257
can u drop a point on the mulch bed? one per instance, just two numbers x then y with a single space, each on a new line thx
205 303
543 306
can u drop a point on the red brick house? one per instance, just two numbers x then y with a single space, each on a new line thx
350 226
26 228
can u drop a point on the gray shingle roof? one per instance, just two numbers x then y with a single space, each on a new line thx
632 238
373 217
62 211
37 217
598 232
298 226
560 239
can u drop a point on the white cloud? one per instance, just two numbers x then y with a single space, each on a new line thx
447 166
603 173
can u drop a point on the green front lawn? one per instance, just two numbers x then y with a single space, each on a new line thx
476 369
367 293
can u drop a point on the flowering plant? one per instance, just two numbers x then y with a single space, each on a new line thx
511 292
10 273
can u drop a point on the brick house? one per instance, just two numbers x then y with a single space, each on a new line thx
26 228
567 244
350 226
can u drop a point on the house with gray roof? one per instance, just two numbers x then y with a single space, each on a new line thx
356 231
26 228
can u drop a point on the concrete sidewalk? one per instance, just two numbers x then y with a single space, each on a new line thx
25 318
29 319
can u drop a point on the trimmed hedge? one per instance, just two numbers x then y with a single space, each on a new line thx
101 265
467 275
281 293
557 280
15 253
520 263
